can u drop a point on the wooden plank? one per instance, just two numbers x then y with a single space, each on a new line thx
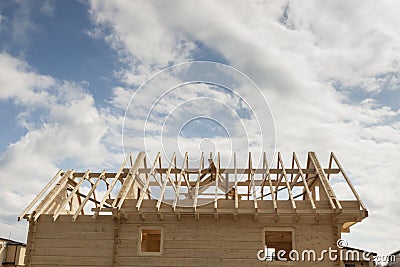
348 181
88 196
147 183
129 180
229 171
287 182
167 179
196 193
307 190
33 202
186 177
217 177
253 187
110 188
179 183
236 181
324 182
265 166
57 213
52 194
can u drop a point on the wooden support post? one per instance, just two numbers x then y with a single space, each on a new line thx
287 183
324 182
129 181
88 195
164 185
147 183
306 189
196 193
267 175
109 189
253 187
179 183
217 177
236 182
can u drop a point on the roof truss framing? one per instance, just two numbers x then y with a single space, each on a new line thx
270 190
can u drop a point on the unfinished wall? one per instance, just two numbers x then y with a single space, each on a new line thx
188 242
85 242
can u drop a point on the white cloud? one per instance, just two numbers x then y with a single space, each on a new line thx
47 8
294 51
3 20
22 25
63 129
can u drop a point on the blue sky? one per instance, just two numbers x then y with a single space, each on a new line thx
328 77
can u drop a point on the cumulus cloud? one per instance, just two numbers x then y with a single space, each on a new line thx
297 52
3 20
308 58
63 127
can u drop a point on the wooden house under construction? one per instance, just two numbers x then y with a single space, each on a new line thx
172 214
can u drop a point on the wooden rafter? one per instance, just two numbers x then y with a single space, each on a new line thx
303 179
333 156
324 182
236 181
71 195
267 176
253 185
179 183
164 185
48 200
287 182
147 183
217 177
88 196
48 185
196 194
129 180
110 188
62 196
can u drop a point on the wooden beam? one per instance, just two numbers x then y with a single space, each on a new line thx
348 181
217 177
147 183
179 183
186 177
129 180
33 202
76 214
196 193
52 194
176 171
287 182
110 188
76 187
164 185
265 167
236 181
307 190
253 187
324 182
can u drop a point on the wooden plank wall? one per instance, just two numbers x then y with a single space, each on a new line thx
85 242
188 242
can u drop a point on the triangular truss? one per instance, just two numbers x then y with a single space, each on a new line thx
180 188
